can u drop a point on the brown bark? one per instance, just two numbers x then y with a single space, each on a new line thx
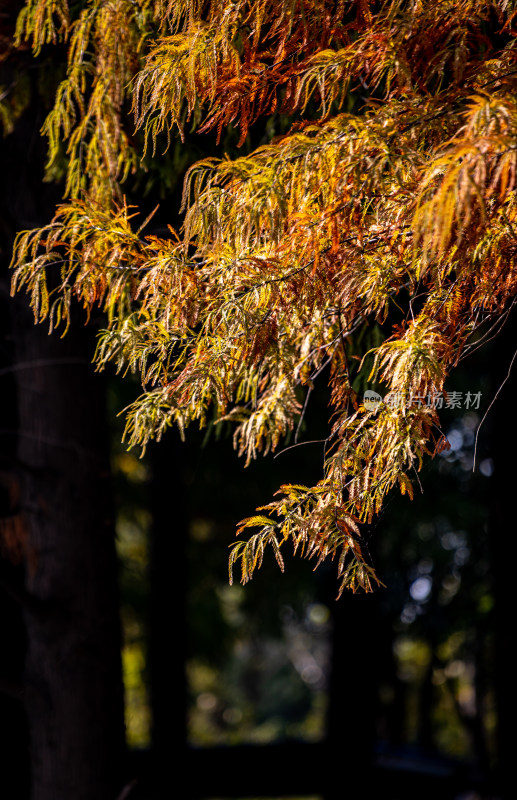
72 677
64 523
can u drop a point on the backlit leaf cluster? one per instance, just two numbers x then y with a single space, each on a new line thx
390 202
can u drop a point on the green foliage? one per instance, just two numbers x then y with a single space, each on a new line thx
402 214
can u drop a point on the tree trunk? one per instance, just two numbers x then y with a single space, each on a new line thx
13 728
168 594
73 687
72 677
352 698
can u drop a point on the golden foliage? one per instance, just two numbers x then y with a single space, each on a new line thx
390 200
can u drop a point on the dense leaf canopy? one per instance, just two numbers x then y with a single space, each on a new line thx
389 202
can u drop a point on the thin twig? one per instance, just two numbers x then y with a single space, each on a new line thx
302 415
298 444
489 407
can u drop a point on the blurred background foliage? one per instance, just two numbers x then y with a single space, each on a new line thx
259 658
